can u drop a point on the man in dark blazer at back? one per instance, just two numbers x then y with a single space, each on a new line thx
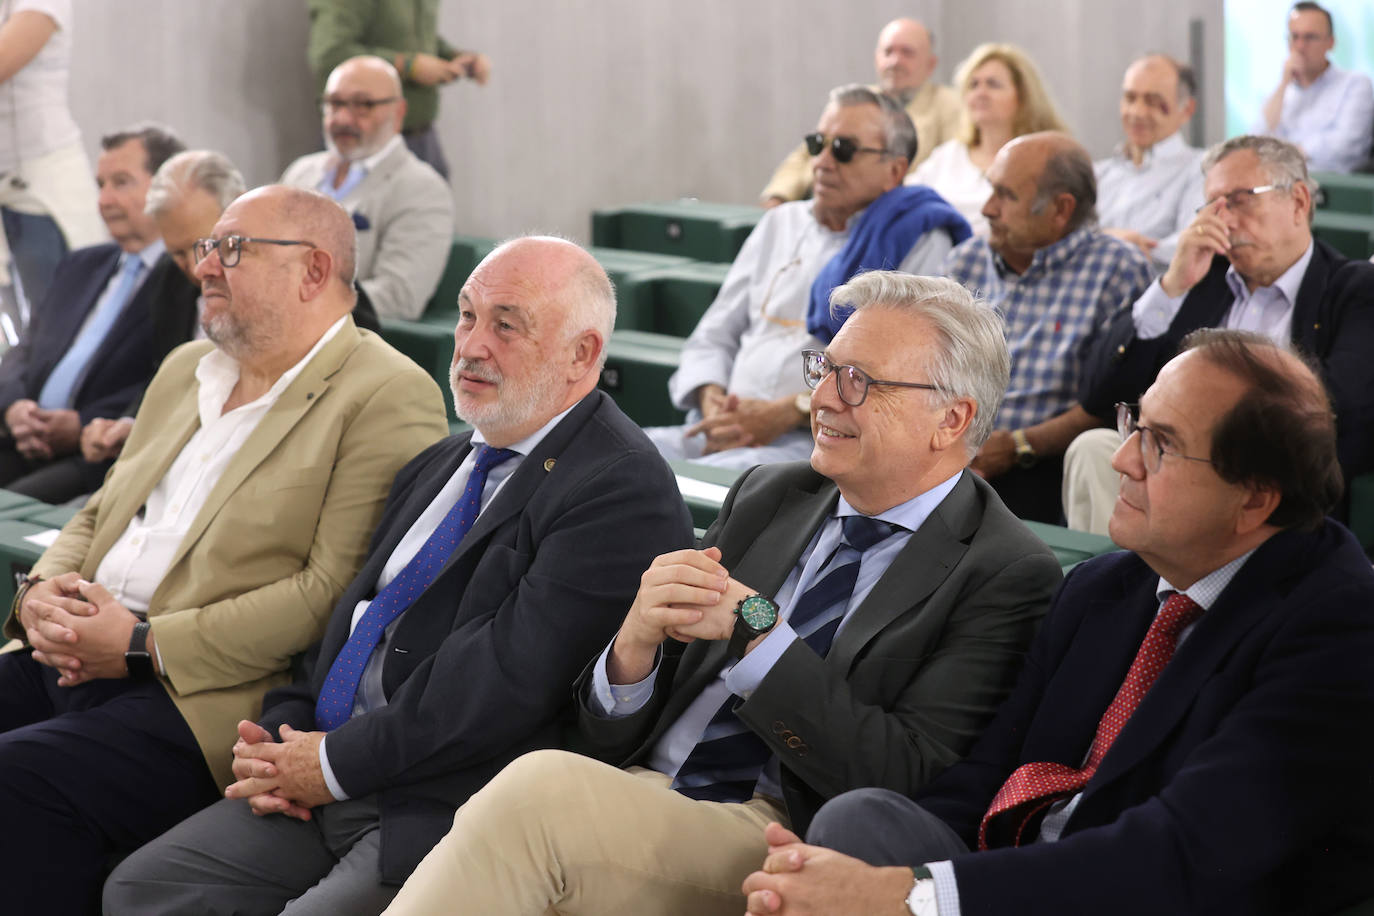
1248 261
1189 734
88 350
852 622
451 653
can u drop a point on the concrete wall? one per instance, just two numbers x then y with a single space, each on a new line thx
597 102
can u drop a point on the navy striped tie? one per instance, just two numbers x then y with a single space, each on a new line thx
727 760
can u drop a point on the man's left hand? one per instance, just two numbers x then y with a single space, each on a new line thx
717 620
474 66
62 430
798 879
997 456
288 769
751 421
102 638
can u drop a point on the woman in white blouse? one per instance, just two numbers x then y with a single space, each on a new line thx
1004 97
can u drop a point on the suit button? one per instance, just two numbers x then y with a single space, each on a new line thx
794 742
778 727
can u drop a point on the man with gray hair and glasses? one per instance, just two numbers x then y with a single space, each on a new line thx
1248 261
849 622
738 379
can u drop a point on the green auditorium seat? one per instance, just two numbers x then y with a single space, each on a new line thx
51 516
1344 193
703 489
16 505
429 344
636 375
689 227
629 271
465 253
679 296
1071 547
17 555
1349 233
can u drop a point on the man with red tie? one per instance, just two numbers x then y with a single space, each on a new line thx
1189 734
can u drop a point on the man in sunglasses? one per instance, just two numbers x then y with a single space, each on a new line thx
1190 732
850 622
401 208
737 377
1247 261
239 508
904 61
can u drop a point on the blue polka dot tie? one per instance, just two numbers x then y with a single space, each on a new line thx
729 757
335 704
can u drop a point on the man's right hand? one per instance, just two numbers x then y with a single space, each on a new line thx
246 766
103 438
673 593
1204 238
46 606
26 424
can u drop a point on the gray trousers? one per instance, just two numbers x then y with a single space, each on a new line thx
883 828
227 860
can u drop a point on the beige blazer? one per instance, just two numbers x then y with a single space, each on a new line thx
934 111
282 532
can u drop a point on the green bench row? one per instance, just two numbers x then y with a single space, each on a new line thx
22 517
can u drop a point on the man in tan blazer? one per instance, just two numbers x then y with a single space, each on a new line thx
240 508
905 62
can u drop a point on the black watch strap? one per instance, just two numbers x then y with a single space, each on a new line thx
138 659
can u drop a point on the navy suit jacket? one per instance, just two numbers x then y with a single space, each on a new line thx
1333 322
1242 782
125 360
479 670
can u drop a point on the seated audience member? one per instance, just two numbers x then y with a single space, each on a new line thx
240 507
738 376
905 62
1325 111
185 198
1058 281
1151 186
88 350
1180 740
402 209
358 767
1248 261
889 598
1004 98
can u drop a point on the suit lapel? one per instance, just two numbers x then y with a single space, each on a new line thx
766 562
1307 331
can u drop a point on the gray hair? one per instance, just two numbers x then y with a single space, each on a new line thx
899 134
971 358
591 295
1283 162
204 169
1068 171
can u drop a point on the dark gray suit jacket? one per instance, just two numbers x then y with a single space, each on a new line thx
914 675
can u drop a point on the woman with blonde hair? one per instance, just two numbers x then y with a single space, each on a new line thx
1004 97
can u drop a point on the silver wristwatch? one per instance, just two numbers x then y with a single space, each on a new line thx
921 900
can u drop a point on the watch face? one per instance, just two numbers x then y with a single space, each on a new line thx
758 612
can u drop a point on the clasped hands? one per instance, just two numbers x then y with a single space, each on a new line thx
686 594
40 434
797 879
730 421
279 777
78 628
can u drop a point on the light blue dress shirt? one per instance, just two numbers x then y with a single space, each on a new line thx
1332 119
1157 198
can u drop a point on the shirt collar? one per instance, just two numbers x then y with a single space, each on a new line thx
1288 283
1166 148
218 372
1206 590
911 514
148 255
364 166
530 442
1051 256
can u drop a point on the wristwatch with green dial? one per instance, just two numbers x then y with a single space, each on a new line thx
754 616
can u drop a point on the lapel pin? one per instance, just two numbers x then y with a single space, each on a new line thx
549 463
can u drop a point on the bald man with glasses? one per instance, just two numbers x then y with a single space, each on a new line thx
401 208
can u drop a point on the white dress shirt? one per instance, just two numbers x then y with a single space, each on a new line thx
1331 120
743 677
1267 310
1157 198
951 172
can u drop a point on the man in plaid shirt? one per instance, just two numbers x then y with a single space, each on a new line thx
1057 282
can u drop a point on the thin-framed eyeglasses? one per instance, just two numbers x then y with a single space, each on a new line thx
851 382
231 247
842 148
332 104
1152 443
1241 198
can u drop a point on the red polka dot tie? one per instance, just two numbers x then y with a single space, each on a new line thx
1035 786
335 704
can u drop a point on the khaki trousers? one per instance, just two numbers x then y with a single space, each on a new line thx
1090 484
556 832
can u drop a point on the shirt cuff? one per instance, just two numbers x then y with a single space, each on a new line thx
334 788
619 700
946 888
745 677
1154 311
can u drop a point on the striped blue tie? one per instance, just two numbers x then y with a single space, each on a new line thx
335 705
727 760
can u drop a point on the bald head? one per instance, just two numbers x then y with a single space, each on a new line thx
904 58
1062 168
363 107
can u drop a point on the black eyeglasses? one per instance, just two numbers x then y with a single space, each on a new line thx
851 382
842 148
1241 198
231 247
332 104
1152 443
